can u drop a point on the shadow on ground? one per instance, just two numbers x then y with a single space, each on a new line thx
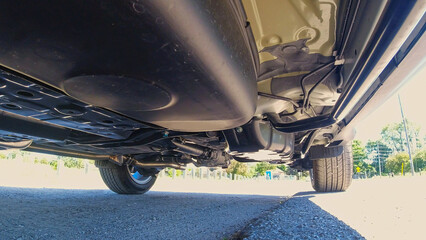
100 214
298 218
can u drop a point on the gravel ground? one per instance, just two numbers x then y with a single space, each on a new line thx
35 205
101 214
298 218
27 213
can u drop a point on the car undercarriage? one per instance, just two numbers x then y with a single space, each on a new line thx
155 84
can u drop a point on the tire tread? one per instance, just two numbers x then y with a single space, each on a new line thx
333 174
117 179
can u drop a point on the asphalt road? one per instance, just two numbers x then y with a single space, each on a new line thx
374 209
101 214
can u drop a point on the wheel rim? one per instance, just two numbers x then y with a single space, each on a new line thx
137 177
311 175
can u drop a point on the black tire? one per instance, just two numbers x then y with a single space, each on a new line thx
333 174
122 180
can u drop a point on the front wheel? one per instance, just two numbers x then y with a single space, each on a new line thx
333 174
125 179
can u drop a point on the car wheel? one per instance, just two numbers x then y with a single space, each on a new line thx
333 174
125 179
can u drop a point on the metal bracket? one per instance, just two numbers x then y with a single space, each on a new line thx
339 62
118 159
300 125
308 144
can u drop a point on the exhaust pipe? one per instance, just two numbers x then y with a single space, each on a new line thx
157 165
15 145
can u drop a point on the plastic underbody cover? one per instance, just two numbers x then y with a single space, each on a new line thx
293 37
183 65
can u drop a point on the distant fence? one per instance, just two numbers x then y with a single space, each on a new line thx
217 174
190 173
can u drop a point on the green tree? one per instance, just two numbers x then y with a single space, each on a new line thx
169 172
378 150
361 160
262 167
291 171
238 168
364 168
358 151
71 162
283 168
393 134
394 162
419 160
54 164
41 161
13 154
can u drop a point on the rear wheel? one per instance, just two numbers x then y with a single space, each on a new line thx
125 179
333 174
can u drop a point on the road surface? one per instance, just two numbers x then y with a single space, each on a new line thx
185 209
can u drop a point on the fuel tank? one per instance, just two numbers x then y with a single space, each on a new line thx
180 64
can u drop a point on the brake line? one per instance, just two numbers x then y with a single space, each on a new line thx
302 84
306 99
279 98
